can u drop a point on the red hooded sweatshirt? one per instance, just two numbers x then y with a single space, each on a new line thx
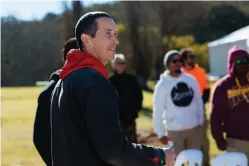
122 152
77 59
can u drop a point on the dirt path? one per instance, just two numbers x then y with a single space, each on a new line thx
147 137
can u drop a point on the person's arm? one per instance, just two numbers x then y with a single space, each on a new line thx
206 95
158 108
198 101
138 93
206 92
218 109
100 114
42 132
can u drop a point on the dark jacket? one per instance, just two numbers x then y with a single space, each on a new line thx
85 123
130 96
42 133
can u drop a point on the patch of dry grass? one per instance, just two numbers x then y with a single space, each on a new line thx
18 111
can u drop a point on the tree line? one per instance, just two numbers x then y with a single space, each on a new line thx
31 50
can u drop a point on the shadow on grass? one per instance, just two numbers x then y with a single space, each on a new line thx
146 111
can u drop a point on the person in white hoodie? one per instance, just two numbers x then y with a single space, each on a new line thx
178 110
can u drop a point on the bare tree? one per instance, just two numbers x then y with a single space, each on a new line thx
77 11
133 24
71 17
67 15
172 16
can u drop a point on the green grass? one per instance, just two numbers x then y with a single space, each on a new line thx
18 111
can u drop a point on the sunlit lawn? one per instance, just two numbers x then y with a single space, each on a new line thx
18 111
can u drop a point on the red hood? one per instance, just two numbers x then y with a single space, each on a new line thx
77 59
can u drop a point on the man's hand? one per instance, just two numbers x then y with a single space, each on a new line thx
164 140
222 145
170 156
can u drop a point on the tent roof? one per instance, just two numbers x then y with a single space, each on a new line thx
240 34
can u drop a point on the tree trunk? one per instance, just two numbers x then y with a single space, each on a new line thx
71 18
133 20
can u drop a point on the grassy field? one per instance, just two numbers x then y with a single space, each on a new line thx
18 111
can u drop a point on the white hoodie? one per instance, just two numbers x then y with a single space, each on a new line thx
179 99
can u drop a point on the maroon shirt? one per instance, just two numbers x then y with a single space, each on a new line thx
230 105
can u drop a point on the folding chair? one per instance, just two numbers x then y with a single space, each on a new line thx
191 156
231 159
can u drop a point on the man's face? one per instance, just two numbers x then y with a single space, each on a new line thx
175 64
103 45
190 59
119 66
241 66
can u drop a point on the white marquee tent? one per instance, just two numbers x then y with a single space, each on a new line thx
218 50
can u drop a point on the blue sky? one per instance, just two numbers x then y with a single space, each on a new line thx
36 9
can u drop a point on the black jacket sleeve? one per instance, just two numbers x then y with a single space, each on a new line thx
138 93
206 95
42 135
100 113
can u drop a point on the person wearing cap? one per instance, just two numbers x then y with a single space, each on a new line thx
178 98
230 104
42 131
130 96
191 67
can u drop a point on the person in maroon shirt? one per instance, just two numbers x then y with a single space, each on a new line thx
230 104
